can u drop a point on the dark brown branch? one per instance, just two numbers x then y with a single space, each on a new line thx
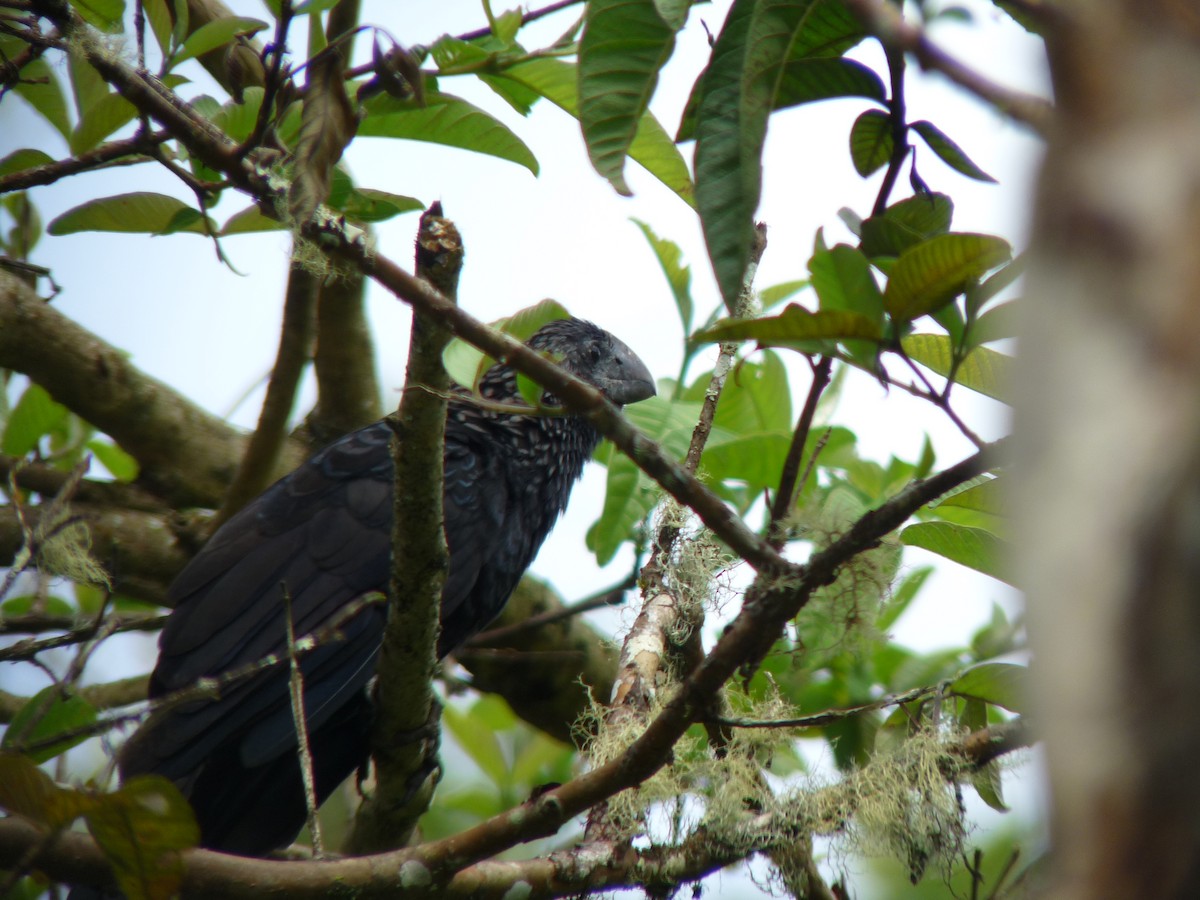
786 495
104 155
260 463
45 479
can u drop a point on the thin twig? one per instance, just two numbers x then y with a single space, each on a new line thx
607 597
788 481
898 119
816 720
299 717
104 155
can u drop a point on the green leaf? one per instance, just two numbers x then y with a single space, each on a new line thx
448 120
907 223
829 30
631 494
930 274
369 205
100 120
811 80
843 282
41 90
29 792
871 141
159 17
103 14
466 364
479 742
995 324
215 34
34 415
652 147
777 293
47 714
982 370
142 828
120 464
950 153
1003 684
737 95
624 45
250 220
793 326
987 496
972 547
679 276
87 85
141 212
23 160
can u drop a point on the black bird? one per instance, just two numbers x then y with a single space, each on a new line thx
324 532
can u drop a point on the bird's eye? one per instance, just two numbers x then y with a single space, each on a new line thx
594 353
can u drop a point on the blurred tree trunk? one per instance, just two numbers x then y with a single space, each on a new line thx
1109 429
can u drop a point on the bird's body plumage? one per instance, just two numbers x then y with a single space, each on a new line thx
323 535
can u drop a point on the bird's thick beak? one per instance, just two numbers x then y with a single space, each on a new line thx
632 381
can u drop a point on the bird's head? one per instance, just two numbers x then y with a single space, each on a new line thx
595 356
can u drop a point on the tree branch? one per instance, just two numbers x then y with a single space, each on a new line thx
420 561
886 22
260 463
186 454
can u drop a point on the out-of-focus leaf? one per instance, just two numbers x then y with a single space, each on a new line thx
448 120
995 324
141 212
466 364
972 547
1003 684
29 792
371 205
871 141
159 17
40 87
250 220
87 84
679 276
987 496
794 325
950 153
45 715
906 223
624 45
777 293
214 34
652 147
929 275
141 828
34 415
122 466
100 120
478 739
631 494
21 160
982 370
104 14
